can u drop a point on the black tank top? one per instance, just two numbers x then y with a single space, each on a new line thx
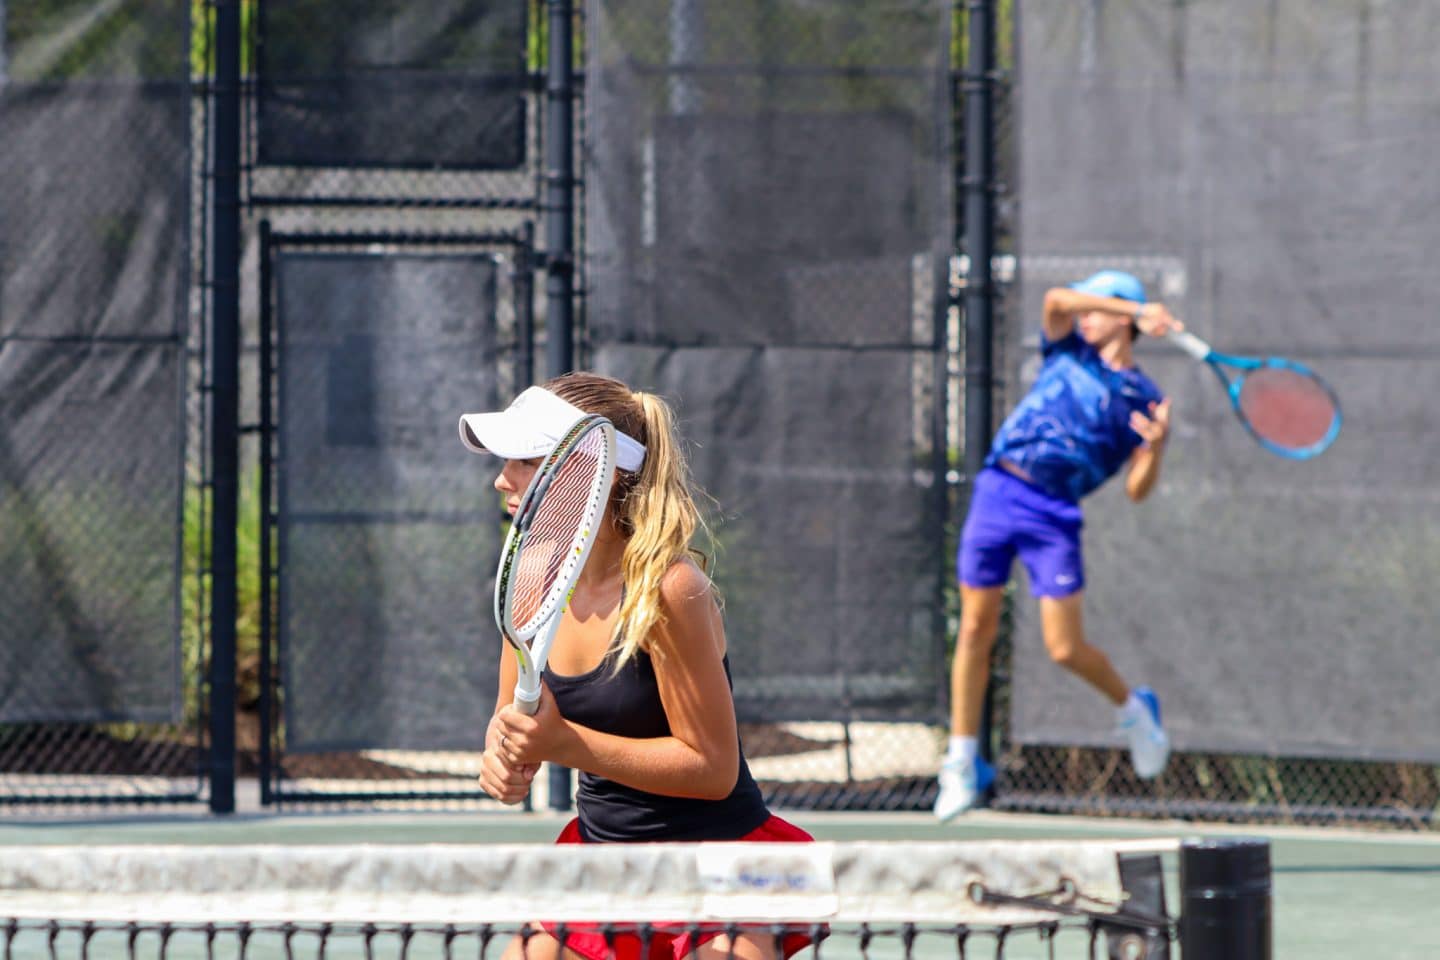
627 704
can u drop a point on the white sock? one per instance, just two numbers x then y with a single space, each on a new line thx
963 749
1132 709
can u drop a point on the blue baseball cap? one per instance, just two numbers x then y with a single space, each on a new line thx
1113 283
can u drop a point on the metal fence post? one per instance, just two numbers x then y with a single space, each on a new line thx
559 190
979 241
224 400
559 202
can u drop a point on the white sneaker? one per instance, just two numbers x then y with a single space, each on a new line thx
1149 746
961 783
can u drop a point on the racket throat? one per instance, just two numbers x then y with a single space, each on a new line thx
522 657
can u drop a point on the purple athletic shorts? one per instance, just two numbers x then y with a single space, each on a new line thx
1009 516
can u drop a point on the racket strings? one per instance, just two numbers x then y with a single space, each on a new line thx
1287 407
549 540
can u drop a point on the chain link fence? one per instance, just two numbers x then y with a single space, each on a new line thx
768 233
394 170
99 700
768 227
1240 159
380 643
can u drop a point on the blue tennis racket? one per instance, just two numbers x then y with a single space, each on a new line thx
1283 404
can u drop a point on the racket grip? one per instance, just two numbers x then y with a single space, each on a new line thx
1190 343
527 701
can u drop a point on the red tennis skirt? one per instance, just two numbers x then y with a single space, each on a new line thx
589 941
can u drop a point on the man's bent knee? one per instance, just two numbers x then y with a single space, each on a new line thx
1067 654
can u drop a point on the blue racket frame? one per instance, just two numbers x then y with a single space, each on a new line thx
1201 350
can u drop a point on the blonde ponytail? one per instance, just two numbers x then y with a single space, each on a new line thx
661 517
655 509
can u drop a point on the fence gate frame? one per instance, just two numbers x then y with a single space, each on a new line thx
512 361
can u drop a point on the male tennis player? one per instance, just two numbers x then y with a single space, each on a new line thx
1090 413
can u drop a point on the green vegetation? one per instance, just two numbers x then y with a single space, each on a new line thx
81 39
202 38
195 593
1004 36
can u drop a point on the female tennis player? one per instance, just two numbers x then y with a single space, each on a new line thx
1090 413
636 691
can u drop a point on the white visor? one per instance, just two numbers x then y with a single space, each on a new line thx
532 425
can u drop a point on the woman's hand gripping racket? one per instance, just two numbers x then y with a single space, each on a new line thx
1284 405
548 543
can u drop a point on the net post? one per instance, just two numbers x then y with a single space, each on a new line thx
1225 900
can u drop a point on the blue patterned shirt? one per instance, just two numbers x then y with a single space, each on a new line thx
1072 432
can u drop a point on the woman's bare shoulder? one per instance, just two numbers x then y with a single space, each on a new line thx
685 583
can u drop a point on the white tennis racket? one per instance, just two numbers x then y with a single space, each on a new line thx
549 540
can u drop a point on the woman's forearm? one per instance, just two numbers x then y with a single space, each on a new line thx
663 765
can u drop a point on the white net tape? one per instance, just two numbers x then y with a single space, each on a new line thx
438 883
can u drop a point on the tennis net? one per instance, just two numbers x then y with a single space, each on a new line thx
873 900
